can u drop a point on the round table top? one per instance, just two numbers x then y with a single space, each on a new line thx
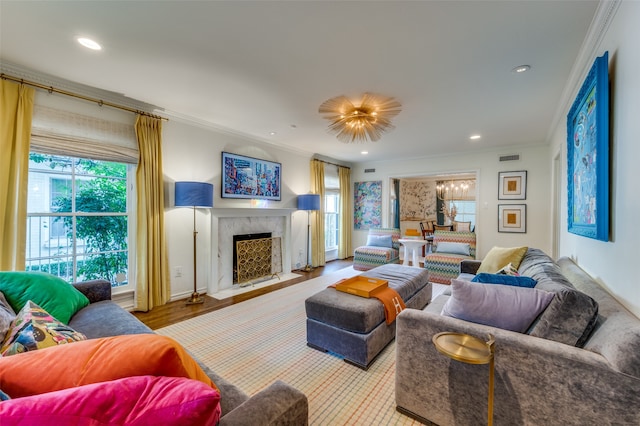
464 347
412 240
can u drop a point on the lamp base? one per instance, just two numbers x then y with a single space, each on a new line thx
307 268
195 299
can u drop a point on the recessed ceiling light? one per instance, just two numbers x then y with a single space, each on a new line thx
88 43
272 133
364 152
474 137
521 68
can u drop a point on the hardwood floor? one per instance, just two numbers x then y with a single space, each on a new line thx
176 311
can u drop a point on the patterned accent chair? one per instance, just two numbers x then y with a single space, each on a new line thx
378 251
444 261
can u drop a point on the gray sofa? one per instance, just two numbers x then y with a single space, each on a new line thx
278 404
538 380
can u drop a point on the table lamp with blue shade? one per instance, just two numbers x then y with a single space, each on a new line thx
308 202
194 195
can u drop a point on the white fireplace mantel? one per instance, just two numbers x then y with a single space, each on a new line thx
251 212
226 221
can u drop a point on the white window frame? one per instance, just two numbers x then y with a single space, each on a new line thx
329 250
74 255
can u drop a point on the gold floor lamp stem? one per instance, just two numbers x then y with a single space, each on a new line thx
195 297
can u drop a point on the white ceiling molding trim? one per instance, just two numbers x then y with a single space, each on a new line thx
588 52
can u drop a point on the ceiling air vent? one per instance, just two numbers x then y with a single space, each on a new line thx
512 157
369 170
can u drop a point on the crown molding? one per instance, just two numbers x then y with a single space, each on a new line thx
49 80
588 52
208 125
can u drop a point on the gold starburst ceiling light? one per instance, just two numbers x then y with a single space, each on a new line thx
368 121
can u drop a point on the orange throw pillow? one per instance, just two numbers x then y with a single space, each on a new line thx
94 361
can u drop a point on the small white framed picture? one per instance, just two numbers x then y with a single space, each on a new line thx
512 185
512 218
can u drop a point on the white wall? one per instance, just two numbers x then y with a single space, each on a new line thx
192 152
612 263
486 164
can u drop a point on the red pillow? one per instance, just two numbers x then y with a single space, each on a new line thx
134 401
96 360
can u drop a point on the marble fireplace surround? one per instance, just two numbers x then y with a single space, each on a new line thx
236 221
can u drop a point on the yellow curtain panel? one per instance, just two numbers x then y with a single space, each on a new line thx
317 217
16 110
153 287
345 248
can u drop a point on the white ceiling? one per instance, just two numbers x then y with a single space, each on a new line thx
255 67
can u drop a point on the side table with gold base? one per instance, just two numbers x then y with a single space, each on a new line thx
471 350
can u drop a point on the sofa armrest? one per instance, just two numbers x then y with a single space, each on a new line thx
470 266
95 290
537 381
278 404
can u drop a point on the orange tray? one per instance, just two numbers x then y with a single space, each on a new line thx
362 286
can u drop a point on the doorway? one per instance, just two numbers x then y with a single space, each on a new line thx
415 199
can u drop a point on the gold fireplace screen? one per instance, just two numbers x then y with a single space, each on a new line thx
258 258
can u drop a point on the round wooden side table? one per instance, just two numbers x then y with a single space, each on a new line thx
471 350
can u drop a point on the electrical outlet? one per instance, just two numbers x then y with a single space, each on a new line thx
178 271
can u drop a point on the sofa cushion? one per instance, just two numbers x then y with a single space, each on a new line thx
506 307
498 257
7 315
53 294
380 241
518 281
96 360
616 335
453 248
571 315
34 328
106 319
138 400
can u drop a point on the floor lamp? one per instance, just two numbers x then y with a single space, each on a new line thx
308 202
195 195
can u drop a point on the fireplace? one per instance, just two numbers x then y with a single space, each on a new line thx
245 237
227 222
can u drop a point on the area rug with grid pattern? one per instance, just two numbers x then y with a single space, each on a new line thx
261 340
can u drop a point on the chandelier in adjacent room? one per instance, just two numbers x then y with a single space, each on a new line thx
448 194
367 121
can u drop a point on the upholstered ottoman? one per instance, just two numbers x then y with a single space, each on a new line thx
355 327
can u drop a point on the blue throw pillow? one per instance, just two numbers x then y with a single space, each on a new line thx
519 281
380 241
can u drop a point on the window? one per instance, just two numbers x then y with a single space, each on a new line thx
466 212
331 220
78 218
59 188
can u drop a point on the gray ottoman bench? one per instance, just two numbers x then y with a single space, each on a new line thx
355 327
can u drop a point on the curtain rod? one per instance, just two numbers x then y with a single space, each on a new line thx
333 164
100 102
